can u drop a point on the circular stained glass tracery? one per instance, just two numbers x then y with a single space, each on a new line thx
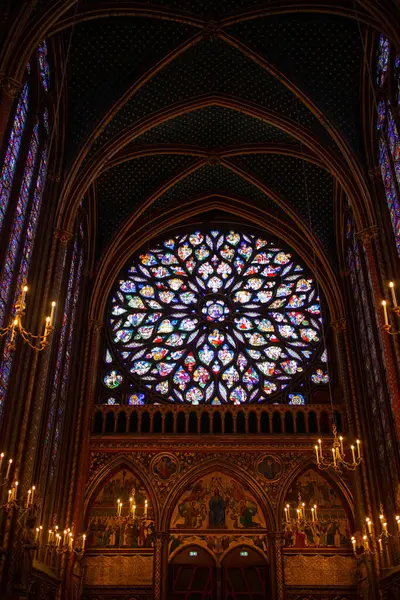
216 318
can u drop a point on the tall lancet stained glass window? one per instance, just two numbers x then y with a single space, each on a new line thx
389 143
11 157
214 317
23 211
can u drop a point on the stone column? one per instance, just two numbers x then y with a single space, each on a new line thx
276 541
160 567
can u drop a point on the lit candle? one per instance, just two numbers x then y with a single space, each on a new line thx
312 513
354 456
358 448
1 459
49 538
24 290
341 445
33 493
353 541
133 511
385 312
288 511
37 534
15 490
71 541
27 499
334 456
8 468
316 452
9 495
145 509
303 510
398 523
118 507
53 306
298 514
40 534
315 508
384 525
369 525
320 449
58 536
380 544
65 535
46 325
83 541
393 290
365 542
286 517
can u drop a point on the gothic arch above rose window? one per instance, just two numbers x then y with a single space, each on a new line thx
214 317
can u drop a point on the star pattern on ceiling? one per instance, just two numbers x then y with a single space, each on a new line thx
179 99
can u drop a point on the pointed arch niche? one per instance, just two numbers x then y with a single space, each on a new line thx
316 514
218 528
120 543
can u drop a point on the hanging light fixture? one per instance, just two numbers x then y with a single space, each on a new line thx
396 309
15 327
336 459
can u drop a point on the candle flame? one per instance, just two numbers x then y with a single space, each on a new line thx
383 302
391 284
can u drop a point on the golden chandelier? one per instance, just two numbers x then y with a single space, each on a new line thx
15 327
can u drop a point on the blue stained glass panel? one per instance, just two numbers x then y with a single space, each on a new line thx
19 220
11 158
44 68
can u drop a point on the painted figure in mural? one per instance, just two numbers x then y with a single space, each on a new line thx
270 468
217 507
331 529
217 502
165 468
247 511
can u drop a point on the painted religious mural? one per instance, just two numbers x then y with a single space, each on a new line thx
217 502
120 515
314 515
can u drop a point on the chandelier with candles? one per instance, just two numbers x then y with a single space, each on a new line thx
336 459
396 309
15 327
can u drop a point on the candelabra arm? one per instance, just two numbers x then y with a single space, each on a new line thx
388 329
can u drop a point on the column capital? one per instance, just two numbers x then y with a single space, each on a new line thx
10 86
367 235
96 325
64 236
278 539
340 325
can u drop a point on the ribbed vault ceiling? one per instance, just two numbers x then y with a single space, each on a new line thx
259 81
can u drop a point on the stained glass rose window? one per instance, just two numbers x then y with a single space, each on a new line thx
215 318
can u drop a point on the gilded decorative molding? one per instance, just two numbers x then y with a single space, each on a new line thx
64 236
340 325
278 543
11 87
312 570
367 235
186 461
136 569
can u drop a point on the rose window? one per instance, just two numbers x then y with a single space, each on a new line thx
215 318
